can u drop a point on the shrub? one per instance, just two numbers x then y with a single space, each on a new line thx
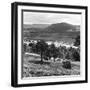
66 64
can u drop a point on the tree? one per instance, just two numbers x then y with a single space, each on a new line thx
68 55
60 52
47 54
41 47
76 55
32 47
54 52
63 52
77 41
24 47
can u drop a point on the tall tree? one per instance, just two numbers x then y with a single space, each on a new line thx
41 47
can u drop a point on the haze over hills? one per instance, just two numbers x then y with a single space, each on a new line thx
60 31
35 26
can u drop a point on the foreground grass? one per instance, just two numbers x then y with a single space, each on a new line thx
32 67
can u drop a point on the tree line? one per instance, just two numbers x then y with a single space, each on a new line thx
47 51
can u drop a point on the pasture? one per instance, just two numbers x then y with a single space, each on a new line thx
32 67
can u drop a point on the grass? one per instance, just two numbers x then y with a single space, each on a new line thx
32 67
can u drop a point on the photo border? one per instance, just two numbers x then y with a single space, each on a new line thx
14 43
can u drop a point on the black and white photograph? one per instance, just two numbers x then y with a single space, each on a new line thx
51 44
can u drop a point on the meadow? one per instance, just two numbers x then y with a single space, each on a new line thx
32 67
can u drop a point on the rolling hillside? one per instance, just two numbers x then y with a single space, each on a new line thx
60 31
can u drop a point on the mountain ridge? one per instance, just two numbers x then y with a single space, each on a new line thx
58 31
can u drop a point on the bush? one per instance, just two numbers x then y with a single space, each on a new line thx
66 64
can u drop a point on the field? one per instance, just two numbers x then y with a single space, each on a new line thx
32 67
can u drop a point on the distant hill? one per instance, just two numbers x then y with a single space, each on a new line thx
60 31
28 26
63 27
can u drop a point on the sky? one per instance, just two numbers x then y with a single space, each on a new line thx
50 18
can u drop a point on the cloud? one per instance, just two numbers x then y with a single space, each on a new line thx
50 18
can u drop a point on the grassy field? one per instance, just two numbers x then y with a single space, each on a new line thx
32 67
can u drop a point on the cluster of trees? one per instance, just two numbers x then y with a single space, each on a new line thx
77 41
47 51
